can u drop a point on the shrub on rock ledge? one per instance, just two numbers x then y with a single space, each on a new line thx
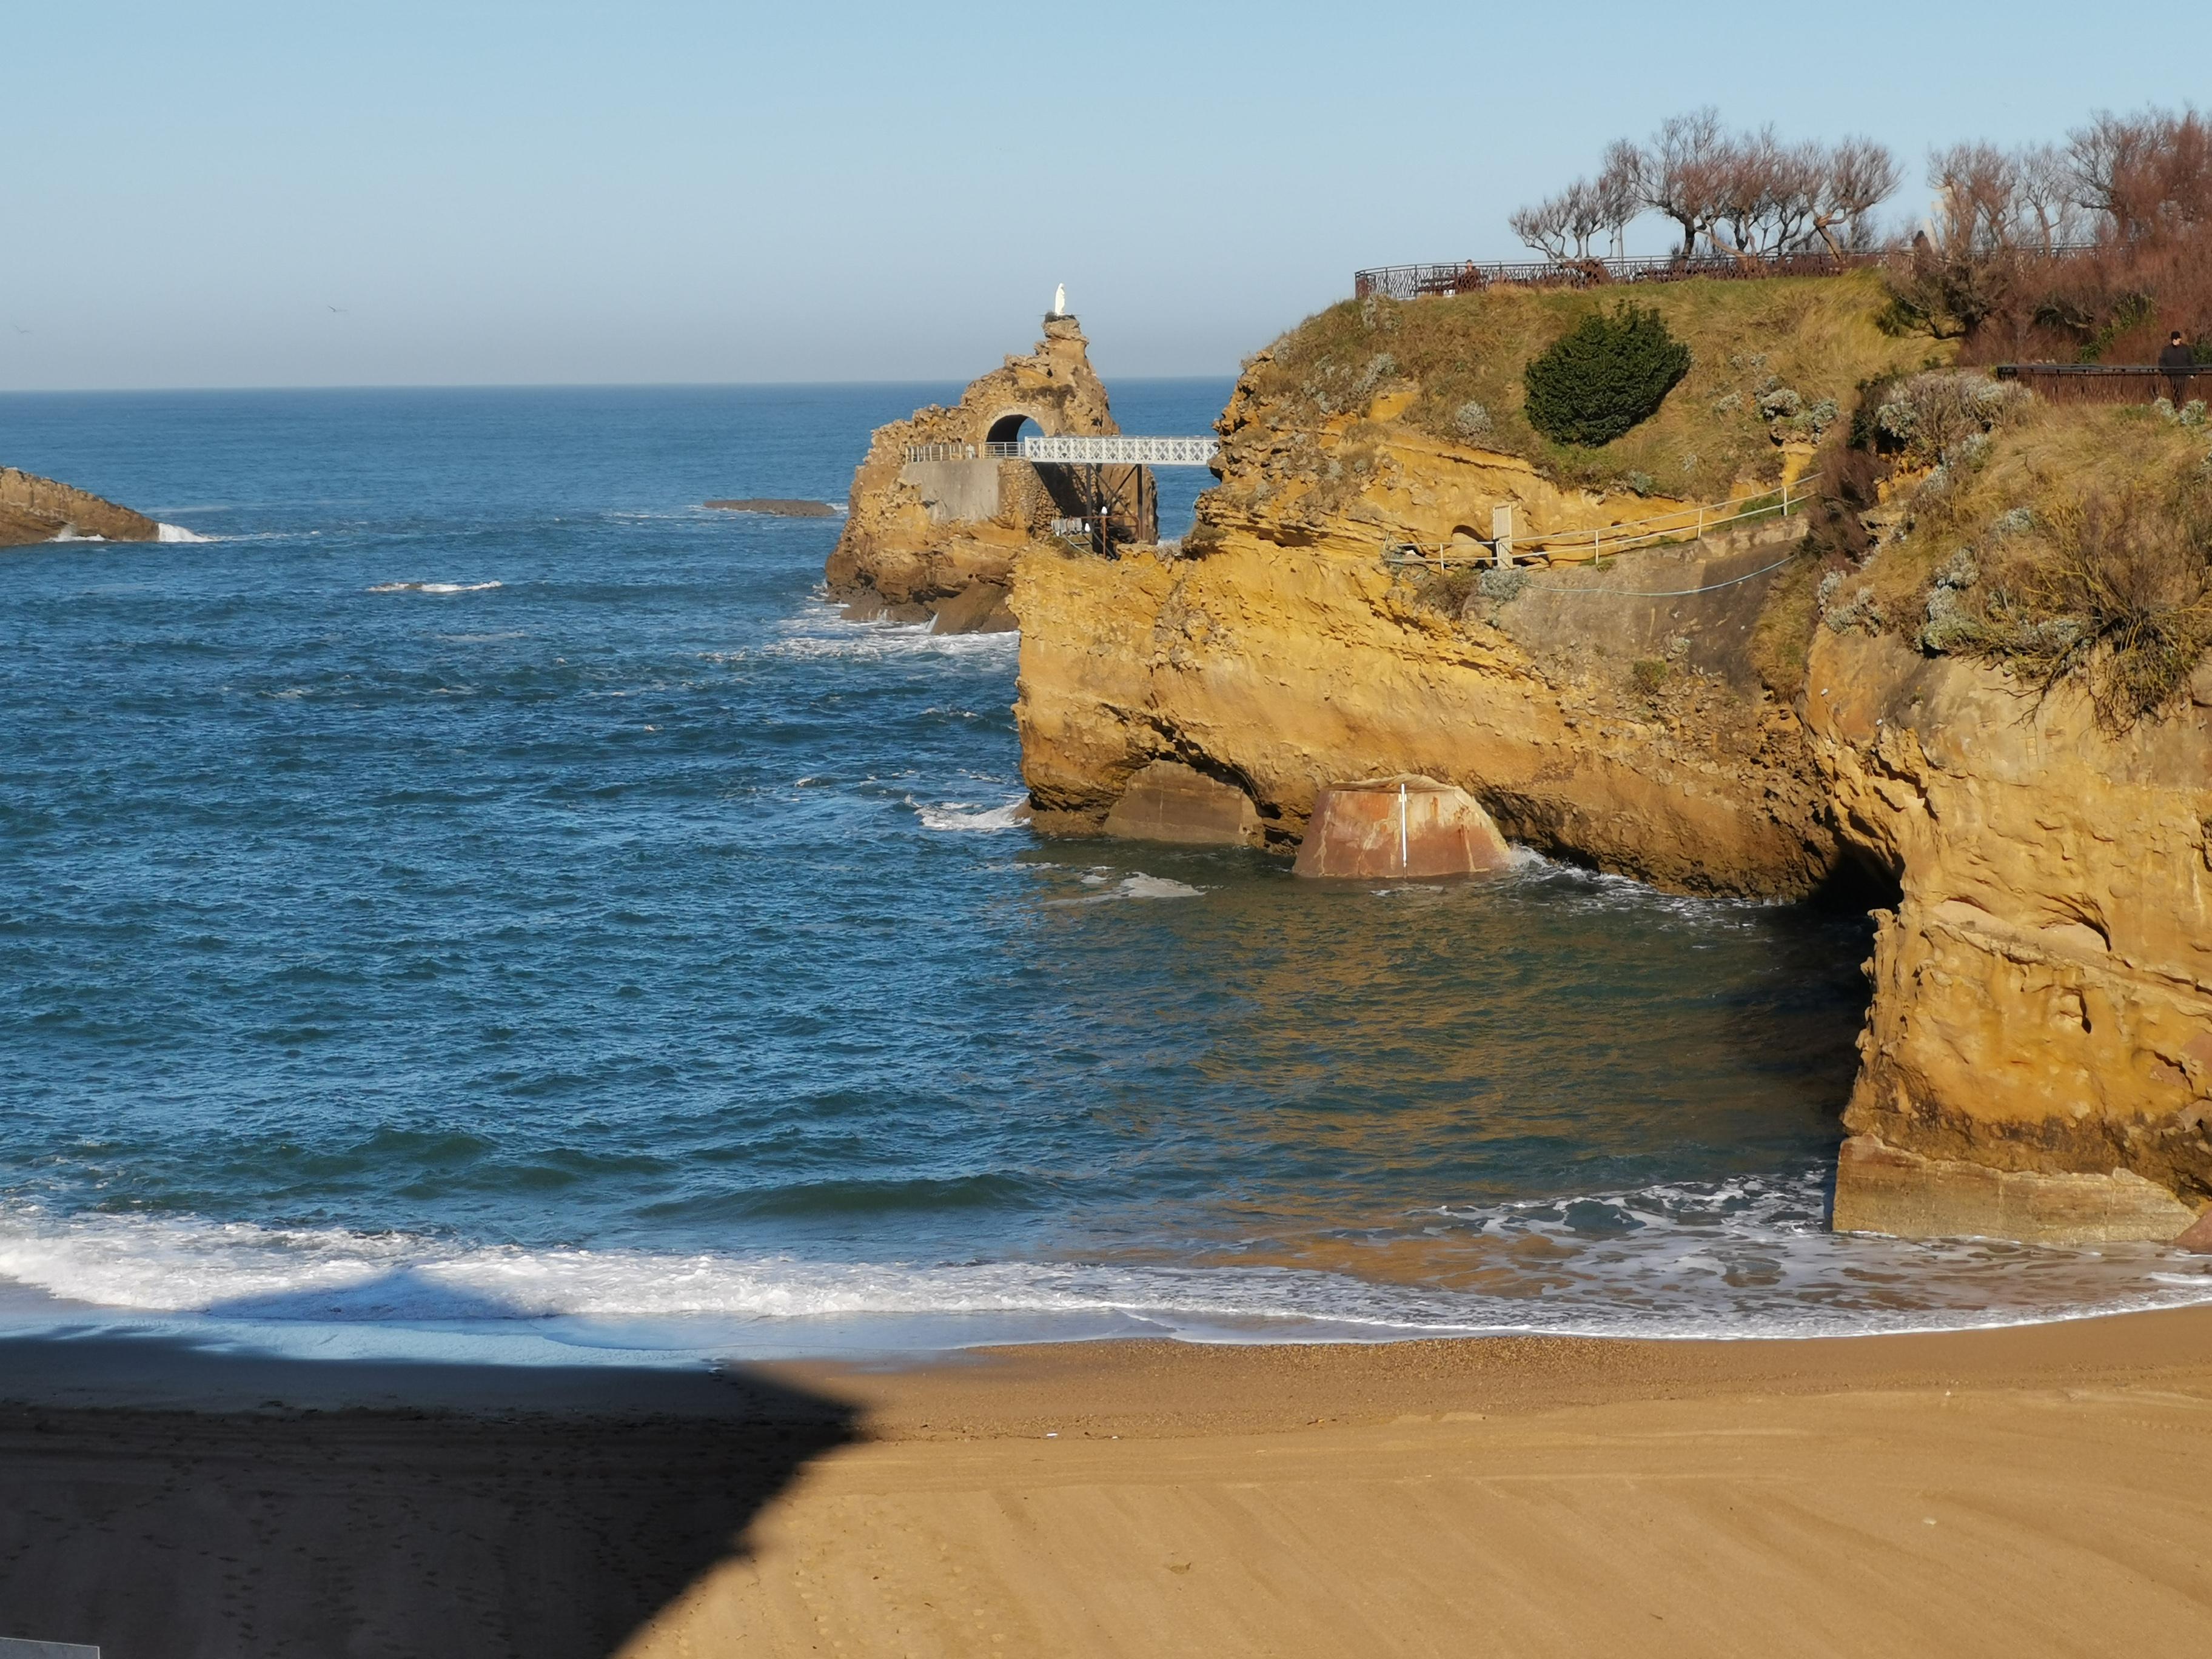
1607 374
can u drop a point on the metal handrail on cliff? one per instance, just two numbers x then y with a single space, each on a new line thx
1605 541
1472 275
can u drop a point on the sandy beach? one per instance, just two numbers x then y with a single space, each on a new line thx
2032 1491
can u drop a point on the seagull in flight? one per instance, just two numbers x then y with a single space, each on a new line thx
19 331
338 310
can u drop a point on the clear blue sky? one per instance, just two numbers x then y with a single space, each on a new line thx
551 192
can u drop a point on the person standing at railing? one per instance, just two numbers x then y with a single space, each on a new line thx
2177 360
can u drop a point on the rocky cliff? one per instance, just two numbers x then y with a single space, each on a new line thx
935 535
2042 1014
1724 715
35 509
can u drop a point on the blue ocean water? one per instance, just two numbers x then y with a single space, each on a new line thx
478 896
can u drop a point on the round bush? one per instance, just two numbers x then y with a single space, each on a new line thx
1603 376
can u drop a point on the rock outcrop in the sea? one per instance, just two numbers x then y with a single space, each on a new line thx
2038 1057
35 509
1411 827
2043 987
935 537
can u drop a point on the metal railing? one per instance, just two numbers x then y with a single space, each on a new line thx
1602 542
984 451
2109 383
1471 277
1104 450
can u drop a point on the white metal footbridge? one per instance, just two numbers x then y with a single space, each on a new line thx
1079 451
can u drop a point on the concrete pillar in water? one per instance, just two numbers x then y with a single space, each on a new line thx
1402 826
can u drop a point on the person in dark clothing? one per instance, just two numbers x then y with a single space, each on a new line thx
2177 360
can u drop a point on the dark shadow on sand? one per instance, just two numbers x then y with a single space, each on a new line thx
165 1502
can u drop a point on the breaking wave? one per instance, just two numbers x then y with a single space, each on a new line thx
1731 1259
821 632
433 588
959 815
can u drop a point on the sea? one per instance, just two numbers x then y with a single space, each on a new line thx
460 897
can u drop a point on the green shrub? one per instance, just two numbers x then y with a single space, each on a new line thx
1605 375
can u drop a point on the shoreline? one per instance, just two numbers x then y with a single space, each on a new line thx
2026 1489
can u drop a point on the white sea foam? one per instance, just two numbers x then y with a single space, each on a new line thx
1728 1258
1155 887
1139 886
433 588
960 814
177 532
821 633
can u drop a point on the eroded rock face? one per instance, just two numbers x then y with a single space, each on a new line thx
35 509
1288 667
1168 801
920 533
2038 1059
2043 990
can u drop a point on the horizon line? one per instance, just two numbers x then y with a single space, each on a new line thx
540 385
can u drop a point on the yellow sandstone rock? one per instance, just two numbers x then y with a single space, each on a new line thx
2038 1059
2043 990
920 533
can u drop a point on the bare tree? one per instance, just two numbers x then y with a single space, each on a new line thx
1682 174
1619 189
2146 174
2046 214
1544 227
1560 227
1856 176
1745 174
1977 206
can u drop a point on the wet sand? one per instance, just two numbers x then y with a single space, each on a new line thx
2039 1491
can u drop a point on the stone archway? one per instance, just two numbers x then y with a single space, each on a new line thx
1007 428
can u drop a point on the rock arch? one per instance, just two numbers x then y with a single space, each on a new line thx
1007 427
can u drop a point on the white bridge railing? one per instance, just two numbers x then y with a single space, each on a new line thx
1122 452
1079 451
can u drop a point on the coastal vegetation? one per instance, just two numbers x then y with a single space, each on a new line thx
2061 542
1771 365
1607 373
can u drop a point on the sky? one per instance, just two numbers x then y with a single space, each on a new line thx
220 193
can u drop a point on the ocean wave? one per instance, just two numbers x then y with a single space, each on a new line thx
822 633
1719 1259
433 588
177 532
960 814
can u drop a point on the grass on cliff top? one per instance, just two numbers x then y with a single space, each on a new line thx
1818 337
2075 546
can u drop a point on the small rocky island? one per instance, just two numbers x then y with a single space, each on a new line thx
34 509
